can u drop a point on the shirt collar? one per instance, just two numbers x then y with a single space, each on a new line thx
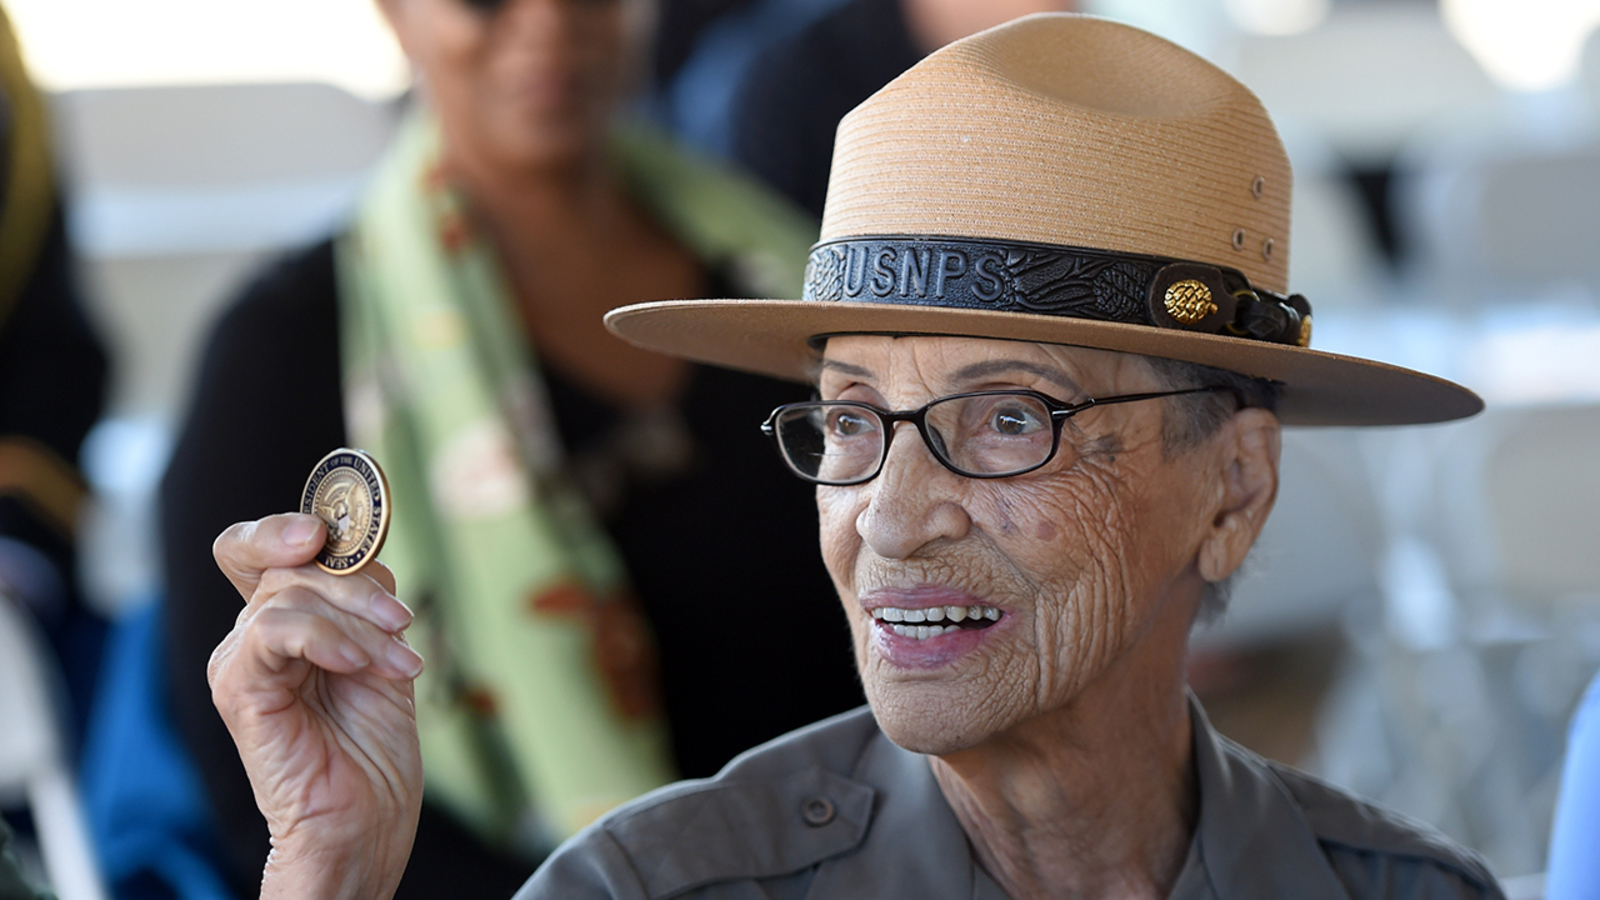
915 847
1251 838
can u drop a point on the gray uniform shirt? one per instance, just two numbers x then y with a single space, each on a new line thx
837 810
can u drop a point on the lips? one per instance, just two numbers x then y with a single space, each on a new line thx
928 626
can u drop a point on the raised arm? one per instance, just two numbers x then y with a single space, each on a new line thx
315 685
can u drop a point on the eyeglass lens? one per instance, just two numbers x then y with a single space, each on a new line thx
984 435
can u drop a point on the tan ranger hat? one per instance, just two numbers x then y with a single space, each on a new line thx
1067 180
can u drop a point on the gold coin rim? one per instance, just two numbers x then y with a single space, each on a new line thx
383 514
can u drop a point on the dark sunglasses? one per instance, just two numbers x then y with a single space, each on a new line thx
489 7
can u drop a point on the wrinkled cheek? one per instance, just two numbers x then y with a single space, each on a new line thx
860 636
837 509
1090 625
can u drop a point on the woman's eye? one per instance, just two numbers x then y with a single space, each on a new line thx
1014 421
849 424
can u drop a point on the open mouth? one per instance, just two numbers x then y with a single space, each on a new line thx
932 621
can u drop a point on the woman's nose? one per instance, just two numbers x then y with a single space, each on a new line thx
913 502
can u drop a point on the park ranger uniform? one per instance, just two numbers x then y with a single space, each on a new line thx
837 810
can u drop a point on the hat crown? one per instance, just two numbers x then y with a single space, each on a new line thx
1072 130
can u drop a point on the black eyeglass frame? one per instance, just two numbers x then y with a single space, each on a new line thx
1059 413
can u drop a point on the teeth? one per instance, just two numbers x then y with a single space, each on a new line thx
912 618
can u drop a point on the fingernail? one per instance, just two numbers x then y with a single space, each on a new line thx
389 612
353 653
299 531
405 659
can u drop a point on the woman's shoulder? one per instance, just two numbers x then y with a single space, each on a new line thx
1266 829
772 813
1372 847
295 294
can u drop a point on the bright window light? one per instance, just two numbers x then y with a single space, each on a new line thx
1277 17
114 43
1525 45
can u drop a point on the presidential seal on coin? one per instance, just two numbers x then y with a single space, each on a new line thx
347 491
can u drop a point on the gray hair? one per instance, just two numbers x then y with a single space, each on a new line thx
1189 420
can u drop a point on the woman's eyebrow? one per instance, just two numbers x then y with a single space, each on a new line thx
832 365
990 368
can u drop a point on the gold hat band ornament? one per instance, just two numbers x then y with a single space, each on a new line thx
1116 165
1189 301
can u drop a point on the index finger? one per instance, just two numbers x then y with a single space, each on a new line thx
247 549
382 574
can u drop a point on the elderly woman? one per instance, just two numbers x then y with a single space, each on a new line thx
1052 353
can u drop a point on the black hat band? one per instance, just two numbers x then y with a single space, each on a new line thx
1047 279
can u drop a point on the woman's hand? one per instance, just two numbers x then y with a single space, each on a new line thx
315 685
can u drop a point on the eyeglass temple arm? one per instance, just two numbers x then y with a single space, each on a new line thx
1076 408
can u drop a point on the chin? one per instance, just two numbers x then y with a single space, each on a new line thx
546 139
925 719
552 149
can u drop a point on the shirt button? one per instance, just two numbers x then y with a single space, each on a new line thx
818 811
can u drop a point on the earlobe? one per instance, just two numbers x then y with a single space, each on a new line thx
1249 448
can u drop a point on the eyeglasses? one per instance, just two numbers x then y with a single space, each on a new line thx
982 434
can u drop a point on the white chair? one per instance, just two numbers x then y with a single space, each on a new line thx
33 763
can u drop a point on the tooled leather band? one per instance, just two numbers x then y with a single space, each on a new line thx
1077 282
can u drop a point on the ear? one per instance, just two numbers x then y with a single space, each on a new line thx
1248 447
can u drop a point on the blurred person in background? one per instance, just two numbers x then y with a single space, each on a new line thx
52 386
553 485
790 103
1574 869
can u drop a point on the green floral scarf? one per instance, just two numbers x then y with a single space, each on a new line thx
538 709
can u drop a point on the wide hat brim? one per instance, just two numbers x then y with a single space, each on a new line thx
781 338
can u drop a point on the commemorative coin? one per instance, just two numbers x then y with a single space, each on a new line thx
347 491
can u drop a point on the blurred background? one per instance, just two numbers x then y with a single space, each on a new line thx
1423 614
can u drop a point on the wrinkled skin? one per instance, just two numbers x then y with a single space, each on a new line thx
315 686
1061 739
1083 555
